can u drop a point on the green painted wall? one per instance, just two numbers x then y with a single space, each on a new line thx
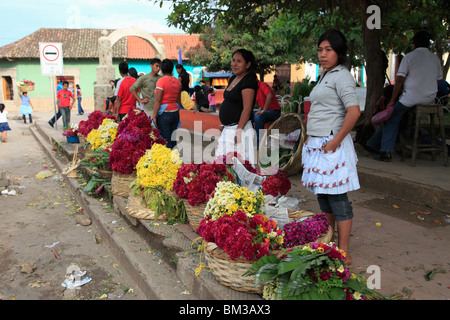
31 70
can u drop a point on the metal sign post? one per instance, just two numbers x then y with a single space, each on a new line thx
51 58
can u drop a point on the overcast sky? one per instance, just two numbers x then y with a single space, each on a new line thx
23 17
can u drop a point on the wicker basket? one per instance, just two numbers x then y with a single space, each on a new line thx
120 183
286 124
230 272
194 213
105 173
26 88
297 214
136 209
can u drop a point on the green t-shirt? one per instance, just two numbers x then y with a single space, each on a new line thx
147 84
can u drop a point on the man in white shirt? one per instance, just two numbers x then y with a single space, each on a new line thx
419 74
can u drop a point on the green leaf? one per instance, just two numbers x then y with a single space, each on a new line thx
337 294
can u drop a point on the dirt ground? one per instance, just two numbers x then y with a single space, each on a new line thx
43 213
403 209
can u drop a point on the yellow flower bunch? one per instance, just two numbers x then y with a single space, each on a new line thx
104 136
158 167
230 197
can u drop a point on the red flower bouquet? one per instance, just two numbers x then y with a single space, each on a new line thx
197 182
135 135
94 121
240 235
276 184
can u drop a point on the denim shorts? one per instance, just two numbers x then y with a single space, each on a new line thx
337 204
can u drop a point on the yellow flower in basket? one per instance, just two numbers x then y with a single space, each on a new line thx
104 136
158 167
230 197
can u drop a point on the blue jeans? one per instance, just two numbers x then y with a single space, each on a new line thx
262 118
167 123
385 136
65 113
80 109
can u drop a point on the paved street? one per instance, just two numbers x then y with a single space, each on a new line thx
406 239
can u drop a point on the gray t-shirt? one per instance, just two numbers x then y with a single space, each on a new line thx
421 69
330 98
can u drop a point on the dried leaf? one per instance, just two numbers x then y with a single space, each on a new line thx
395 206
423 212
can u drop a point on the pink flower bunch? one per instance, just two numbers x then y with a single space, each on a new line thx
197 182
135 135
94 121
276 184
306 231
239 235
70 132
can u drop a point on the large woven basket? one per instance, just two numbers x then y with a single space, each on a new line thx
194 213
136 209
26 88
297 214
230 272
120 183
286 124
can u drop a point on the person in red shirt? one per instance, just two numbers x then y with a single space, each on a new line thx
270 109
125 99
166 113
65 103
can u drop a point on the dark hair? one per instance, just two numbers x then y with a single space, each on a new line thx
421 39
78 86
123 67
197 88
248 57
133 73
167 66
65 82
2 107
155 60
338 43
180 66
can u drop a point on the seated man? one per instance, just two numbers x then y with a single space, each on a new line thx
419 74
270 109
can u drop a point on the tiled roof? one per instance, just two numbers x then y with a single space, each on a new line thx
139 48
83 43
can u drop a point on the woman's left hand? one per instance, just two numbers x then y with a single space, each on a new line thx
330 145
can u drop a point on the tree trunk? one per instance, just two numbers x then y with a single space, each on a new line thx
375 82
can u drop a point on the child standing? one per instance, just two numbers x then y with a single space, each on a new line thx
212 99
4 126
26 108
65 103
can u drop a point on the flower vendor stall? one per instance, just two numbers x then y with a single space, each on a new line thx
135 135
234 242
195 184
71 134
316 271
151 195
103 137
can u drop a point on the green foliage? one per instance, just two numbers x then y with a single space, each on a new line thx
292 275
156 199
